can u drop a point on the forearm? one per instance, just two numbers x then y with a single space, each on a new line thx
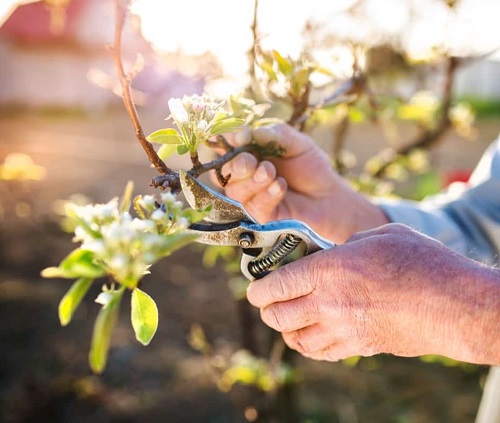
473 316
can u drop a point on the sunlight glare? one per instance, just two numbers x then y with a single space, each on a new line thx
223 27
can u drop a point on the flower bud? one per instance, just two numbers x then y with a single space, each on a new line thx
178 111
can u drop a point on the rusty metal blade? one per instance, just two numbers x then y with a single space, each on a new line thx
199 196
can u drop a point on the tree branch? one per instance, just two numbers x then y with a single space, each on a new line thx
431 136
171 180
125 79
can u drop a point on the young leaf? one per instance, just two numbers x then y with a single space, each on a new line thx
196 215
144 316
166 150
72 299
176 242
227 125
284 65
269 70
103 329
165 136
55 272
126 199
182 149
80 263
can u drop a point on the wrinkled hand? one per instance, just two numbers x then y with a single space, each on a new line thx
388 290
301 185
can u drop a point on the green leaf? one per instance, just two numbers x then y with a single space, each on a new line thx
268 69
166 150
227 125
284 65
103 329
175 242
126 199
72 299
182 149
144 316
196 215
165 136
80 263
54 272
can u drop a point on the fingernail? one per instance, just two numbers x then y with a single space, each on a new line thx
260 174
274 189
269 130
242 137
240 167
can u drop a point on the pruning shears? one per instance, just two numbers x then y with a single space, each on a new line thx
264 246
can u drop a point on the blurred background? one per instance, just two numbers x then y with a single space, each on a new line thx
64 133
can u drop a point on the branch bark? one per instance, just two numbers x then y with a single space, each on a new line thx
431 136
125 80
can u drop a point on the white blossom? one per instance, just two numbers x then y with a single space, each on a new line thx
104 298
178 111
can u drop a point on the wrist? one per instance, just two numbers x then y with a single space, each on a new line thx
472 324
352 213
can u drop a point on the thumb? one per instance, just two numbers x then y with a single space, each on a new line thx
294 142
239 138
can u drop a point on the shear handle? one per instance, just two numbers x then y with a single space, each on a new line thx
287 235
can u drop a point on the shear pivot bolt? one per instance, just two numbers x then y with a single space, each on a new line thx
246 240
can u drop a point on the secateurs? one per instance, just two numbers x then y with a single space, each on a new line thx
229 224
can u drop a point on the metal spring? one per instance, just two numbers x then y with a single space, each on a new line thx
285 247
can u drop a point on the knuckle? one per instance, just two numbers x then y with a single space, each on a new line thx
278 290
274 317
300 342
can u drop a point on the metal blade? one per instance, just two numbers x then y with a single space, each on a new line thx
199 196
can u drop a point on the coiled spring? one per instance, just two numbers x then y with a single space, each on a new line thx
276 255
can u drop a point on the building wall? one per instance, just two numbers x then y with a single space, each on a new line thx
480 79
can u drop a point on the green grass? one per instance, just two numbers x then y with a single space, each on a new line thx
483 107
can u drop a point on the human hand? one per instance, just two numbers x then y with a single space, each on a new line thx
300 185
388 290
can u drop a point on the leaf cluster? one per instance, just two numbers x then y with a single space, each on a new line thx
116 245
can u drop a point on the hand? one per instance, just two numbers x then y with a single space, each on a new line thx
301 185
388 290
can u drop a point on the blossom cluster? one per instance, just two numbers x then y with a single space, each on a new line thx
126 246
197 118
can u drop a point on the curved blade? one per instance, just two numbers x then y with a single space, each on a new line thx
199 196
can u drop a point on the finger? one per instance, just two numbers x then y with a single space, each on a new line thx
334 352
240 138
284 284
310 339
264 205
241 167
291 315
244 189
294 142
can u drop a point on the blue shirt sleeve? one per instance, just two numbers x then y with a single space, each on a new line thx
466 217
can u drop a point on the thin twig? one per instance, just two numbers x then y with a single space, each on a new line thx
300 108
170 178
431 136
125 79
172 181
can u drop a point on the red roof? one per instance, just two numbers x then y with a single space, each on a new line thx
31 22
